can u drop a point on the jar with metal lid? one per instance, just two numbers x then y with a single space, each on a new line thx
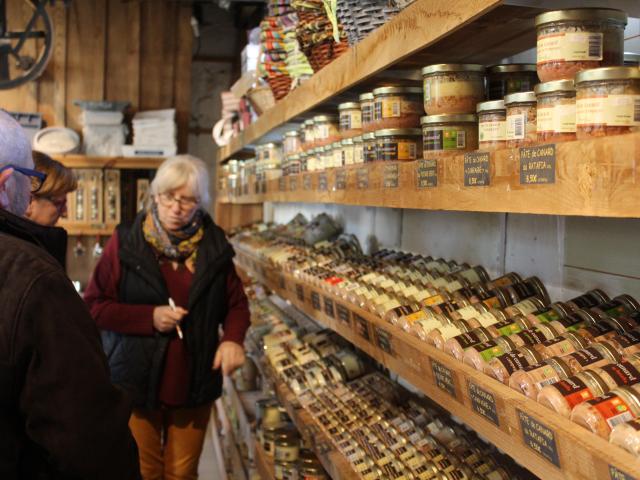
503 366
511 78
521 125
313 160
531 379
457 345
309 134
398 144
312 472
326 129
325 157
358 149
287 446
367 109
561 345
492 125
570 41
603 413
564 395
336 154
294 164
348 151
350 363
267 437
291 143
452 88
607 101
397 107
350 119
449 133
534 335
594 356
556 103
271 155
285 470
303 161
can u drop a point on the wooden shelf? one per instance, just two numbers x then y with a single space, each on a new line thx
130 163
264 464
505 413
426 32
596 177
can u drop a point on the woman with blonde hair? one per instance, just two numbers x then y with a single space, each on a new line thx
161 291
49 203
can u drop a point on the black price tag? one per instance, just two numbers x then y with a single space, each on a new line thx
616 474
476 169
363 178
315 300
282 186
383 340
538 165
391 175
306 182
328 307
539 438
427 174
444 377
341 179
362 327
344 315
323 183
300 292
281 283
293 184
483 403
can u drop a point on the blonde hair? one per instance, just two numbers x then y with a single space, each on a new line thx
60 179
176 172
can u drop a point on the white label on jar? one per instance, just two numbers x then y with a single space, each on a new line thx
427 90
492 131
322 132
358 154
337 158
564 118
612 111
569 47
468 312
347 156
515 126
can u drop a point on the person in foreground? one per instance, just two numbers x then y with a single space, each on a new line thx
161 291
60 417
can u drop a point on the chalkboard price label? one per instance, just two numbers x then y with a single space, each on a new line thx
341 179
391 176
383 340
306 182
539 438
483 403
362 327
476 169
538 165
315 300
293 184
445 379
427 174
323 183
363 178
616 474
343 314
282 186
328 307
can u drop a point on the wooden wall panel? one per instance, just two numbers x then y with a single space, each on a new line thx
182 83
53 82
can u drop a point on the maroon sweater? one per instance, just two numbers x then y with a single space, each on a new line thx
101 296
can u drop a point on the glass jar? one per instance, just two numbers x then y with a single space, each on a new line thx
309 134
397 107
294 165
367 108
556 111
452 88
313 160
398 144
601 414
449 133
358 149
606 100
564 395
336 154
325 130
350 119
370 148
569 41
271 155
348 154
325 155
512 78
492 125
291 143
521 119
303 161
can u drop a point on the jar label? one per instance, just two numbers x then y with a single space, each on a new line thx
628 339
587 356
367 113
397 150
444 139
469 339
573 390
623 373
391 108
494 131
542 374
351 120
564 118
613 408
507 327
515 126
489 350
358 154
612 111
569 47
531 336
513 361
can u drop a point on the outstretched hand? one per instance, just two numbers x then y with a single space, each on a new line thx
230 356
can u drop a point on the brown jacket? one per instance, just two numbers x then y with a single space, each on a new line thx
60 417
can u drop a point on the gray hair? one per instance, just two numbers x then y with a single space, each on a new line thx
15 149
176 172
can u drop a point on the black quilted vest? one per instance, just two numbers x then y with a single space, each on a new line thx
137 362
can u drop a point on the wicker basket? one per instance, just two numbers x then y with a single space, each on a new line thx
261 99
322 54
280 85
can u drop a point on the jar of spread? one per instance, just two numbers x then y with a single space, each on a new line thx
511 78
556 111
358 149
397 107
478 356
607 101
503 366
398 144
603 413
457 345
325 130
336 151
521 128
530 380
452 88
561 345
573 40
291 143
309 135
492 125
449 133
287 446
367 109
627 436
370 147
563 395
594 356
348 151
294 165
350 119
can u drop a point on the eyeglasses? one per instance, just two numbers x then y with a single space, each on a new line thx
186 203
37 178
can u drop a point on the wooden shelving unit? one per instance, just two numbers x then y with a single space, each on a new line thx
264 464
596 177
547 444
130 163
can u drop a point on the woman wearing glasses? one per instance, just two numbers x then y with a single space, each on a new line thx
160 292
49 202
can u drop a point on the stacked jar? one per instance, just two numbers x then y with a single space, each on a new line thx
325 130
367 108
308 139
350 119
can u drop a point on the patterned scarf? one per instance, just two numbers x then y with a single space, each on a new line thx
181 245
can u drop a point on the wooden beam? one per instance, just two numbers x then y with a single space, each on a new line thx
182 88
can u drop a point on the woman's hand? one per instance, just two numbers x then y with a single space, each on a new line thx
230 356
165 318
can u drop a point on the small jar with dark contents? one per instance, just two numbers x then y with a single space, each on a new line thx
510 78
370 147
449 133
398 144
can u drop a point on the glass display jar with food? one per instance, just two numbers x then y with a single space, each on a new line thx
510 78
291 143
521 125
358 149
402 144
350 119
397 107
449 133
556 102
452 88
492 125
325 130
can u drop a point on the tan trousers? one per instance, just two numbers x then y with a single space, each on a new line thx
170 441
